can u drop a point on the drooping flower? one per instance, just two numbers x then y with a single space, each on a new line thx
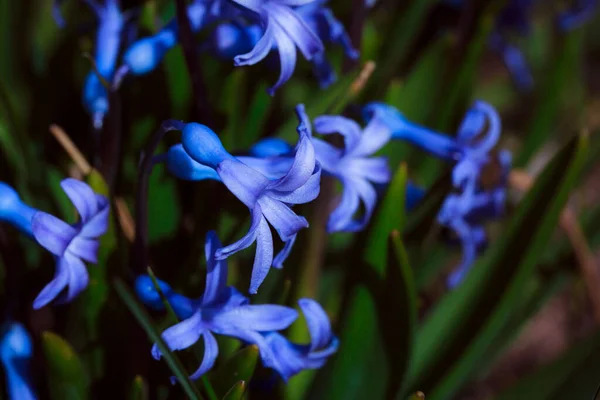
292 358
222 310
108 43
267 199
71 244
216 313
285 30
353 166
144 55
16 351
14 211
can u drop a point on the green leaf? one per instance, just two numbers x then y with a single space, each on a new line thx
66 376
391 216
471 316
238 368
547 108
257 117
144 320
236 392
574 375
401 312
139 389
233 98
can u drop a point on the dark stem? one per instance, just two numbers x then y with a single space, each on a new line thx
186 37
140 244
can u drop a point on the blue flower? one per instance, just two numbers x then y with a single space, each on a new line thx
108 41
284 29
71 244
232 38
330 30
223 310
353 166
291 358
268 199
144 55
16 350
580 14
14 211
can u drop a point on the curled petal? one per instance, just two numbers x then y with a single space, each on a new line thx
216 271
296 29
340 219
182 335
262 318
302 168
376 135
247 240
318 323
260 50
211 352
284 253
304 194
52 233
374 169
241 180
97 225
286 222
264 256
56 285
78 278
85 248
82 197
287 59
351 131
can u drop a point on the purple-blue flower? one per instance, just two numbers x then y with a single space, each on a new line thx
291 358
14 211
267 197
16 351
223 310
108 41
354 166
285 30
71 244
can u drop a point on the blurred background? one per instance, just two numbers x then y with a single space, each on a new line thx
528 329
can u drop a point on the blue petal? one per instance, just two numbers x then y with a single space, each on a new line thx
304 194
375 135
271 167
284 220
262 318
78 278
296 29
247 240
211 352
374 169
264 256
260 50
351 131
340 219
270 147
180 164
147 293
241 180
284 253
97 225
84 248
318 323
216 271
56 285
203 145
287 58
52 233
82 197
182 335
478 110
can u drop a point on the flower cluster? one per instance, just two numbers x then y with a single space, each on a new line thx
16 351
71 245
222 310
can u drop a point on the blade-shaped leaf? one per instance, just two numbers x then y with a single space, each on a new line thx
139 389
472 314
236 392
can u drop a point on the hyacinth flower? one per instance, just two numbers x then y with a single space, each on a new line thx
285 30
352 165
580 14
108 42
71 244
16 350
268 199
144 55
291 358
222 310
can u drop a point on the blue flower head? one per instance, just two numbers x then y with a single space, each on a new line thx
267 197
285 30
580 14
71 244
14 211
222 310
108 41
232 38
145 55
353 166
16 350
292 358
